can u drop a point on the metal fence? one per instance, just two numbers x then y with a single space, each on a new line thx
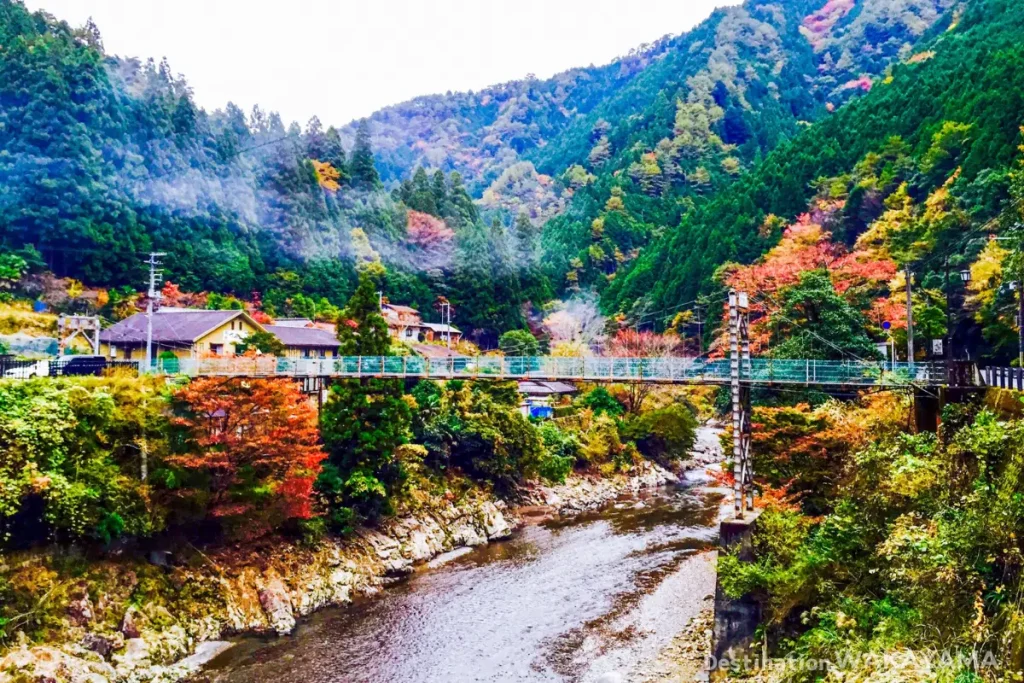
654 370
71 366
759 371
1003 378
18 369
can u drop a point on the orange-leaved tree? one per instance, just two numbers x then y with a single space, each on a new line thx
250 450
862 277
631 343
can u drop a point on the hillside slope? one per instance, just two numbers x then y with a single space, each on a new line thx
969 77
794 57
747 81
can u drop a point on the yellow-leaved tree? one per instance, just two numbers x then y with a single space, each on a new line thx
326 175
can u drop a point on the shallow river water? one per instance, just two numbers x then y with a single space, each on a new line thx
592 598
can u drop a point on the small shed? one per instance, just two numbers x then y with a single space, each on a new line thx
539 397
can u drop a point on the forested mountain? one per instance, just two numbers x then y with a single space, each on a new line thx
746 81
821 51
638 179
104 159
479 134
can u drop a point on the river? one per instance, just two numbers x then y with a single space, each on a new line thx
589 599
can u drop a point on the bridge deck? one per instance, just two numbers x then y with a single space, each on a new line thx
653 370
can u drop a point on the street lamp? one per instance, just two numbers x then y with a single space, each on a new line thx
965 275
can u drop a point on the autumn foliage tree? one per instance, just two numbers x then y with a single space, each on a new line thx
427 232
248 451
631 343
861 279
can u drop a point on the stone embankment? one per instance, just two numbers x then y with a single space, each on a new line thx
584 493
266 594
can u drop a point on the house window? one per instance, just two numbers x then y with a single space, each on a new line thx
323 353
216 349
307 353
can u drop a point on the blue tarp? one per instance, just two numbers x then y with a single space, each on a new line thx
542 412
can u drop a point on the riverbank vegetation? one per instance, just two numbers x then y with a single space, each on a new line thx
878 541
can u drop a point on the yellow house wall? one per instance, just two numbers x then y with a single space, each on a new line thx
297 352
226 336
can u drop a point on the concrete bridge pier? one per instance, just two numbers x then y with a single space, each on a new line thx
736 619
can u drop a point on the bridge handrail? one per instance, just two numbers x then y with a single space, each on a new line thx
671 369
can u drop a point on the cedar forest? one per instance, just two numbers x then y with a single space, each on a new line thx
815 153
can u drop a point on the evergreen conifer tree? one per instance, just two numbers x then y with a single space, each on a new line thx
362 166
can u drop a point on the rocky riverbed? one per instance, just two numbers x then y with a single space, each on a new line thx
595 597
266 588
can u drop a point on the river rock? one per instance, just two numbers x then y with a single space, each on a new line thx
103 645
133 622
80 610
495 525
134 656
44 663
277 605
423 540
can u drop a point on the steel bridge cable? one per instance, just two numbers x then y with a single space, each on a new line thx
702 301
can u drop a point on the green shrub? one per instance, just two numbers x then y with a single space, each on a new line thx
70 457
601 402
555 468
918 550
665 434
518 343
561 450
478 429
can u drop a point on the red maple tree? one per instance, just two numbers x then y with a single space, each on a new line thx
256 442
171 295
632 343
861 276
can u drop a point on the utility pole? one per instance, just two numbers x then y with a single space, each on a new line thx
700 332
1020 324
948 350
446 314
155 278
910 317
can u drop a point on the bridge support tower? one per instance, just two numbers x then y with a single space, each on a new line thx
736 620
739 353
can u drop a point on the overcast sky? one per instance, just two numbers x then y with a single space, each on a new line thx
344 59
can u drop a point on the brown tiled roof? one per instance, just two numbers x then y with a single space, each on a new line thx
310 337
402 309
169 327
